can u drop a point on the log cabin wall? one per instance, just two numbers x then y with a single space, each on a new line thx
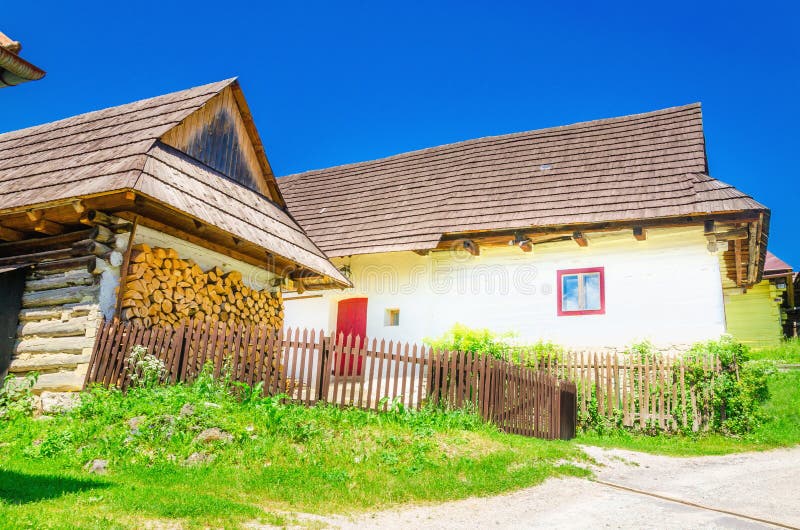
69 287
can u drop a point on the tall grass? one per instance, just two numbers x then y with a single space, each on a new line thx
788 351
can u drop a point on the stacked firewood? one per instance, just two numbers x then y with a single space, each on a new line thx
163 289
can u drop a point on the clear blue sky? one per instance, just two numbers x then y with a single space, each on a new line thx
337 82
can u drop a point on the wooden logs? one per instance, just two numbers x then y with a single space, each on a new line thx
161 288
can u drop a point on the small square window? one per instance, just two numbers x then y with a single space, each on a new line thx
581 292
391 317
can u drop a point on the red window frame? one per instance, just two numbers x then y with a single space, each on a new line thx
567 272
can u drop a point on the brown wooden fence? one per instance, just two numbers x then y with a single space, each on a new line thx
309 367
652 392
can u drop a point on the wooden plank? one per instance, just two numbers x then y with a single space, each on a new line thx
379 361
420 370
305 379
396 353
126 261
387 380
610 404
351 369
340 361
270 371
406 365
102 336
452 381
290 360
124 336
257 375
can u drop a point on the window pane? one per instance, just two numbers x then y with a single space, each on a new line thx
569 293
591 289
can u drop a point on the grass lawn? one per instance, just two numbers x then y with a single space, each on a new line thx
780 429
788 352
278 458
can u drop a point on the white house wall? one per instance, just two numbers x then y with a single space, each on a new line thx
665 289
252 276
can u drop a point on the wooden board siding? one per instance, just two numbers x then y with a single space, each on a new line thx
216 136
754 317
645 166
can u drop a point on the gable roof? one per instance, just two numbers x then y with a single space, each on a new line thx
644 166
119 148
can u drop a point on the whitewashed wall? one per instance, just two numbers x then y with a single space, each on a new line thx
252 276
666 289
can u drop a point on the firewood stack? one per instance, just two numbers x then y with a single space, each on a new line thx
163 289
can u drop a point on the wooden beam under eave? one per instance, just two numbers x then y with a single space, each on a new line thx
50 228
730 235
580 239
472 247
737 261
34 215
639 233
9 234
421 252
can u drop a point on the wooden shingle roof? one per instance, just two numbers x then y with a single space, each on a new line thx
644 166
120 148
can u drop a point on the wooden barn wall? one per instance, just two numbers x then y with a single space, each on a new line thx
216 135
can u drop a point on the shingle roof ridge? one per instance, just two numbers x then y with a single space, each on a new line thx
56 124
577 125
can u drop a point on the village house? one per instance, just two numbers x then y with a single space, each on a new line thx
154 212
597 234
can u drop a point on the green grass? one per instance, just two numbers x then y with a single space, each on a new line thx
788 352
781 428
281 458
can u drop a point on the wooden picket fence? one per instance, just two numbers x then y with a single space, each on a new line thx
309 367
649 392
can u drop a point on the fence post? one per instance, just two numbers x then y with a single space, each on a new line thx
324 368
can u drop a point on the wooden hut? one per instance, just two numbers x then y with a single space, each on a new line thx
156 211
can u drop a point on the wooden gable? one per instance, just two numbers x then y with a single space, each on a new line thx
222 136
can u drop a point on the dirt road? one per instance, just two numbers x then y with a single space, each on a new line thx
759 485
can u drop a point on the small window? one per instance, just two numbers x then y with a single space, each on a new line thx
581 292
392 317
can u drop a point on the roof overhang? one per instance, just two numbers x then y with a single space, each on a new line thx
132 205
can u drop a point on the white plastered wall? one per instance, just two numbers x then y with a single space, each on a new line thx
252 276
665 289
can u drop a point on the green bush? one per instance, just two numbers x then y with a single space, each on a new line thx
732 396
497 345
16 396
463 338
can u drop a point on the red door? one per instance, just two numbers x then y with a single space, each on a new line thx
351 319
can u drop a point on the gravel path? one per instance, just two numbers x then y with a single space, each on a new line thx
762 485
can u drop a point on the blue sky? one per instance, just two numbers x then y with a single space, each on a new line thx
337 82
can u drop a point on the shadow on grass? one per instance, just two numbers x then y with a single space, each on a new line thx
22 488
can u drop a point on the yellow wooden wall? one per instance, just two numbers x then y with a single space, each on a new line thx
754 317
